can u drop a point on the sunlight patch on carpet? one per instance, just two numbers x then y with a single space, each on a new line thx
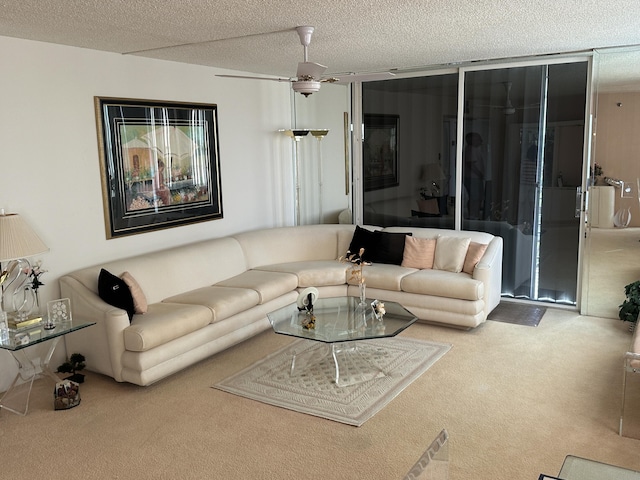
517 313
312 389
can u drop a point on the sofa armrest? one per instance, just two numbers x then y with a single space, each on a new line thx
103 343
489 271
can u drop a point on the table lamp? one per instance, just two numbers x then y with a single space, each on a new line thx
17 242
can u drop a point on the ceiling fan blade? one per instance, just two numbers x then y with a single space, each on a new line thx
273 79
360 77
310 70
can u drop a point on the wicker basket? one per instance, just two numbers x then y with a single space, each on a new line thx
66 395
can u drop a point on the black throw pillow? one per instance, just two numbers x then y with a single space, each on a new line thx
389 247
363 238
115 291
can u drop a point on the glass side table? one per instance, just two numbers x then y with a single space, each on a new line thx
16 398
576 468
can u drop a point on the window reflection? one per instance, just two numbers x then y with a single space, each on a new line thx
522 153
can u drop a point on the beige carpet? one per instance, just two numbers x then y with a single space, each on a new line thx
515 400
312 388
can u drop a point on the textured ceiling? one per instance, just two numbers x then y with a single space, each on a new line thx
351 35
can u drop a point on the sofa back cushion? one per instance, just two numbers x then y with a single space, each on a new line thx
479 237
294 244
176 270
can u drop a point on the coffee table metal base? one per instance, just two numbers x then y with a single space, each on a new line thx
353 362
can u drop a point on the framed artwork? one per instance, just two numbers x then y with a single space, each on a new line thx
159 163
380 151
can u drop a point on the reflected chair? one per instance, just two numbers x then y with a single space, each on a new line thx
434 462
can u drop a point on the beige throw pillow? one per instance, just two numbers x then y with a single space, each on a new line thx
418 252
450 253
139 299
474 254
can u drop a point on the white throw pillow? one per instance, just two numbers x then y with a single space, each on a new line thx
450 253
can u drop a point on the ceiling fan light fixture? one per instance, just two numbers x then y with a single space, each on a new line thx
305 32
306 87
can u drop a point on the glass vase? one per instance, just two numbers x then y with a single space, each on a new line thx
363 294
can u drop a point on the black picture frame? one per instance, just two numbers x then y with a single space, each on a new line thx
159 163
380 151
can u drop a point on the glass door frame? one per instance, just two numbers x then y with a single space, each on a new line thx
581 201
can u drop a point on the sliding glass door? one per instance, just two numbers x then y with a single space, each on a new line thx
490 149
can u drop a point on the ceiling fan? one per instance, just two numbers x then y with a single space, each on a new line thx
308 77
508 108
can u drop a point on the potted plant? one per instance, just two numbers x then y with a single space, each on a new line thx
73 366
631 306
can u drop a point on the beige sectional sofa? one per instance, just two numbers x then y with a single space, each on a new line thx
208 296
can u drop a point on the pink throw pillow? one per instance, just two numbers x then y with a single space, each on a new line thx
139 299
418 252
474 254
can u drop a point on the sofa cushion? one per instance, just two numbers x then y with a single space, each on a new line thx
139 299
418 252
162 323
316 273
269 285
223 301
383 276
450 253
474 254
115 292
442 283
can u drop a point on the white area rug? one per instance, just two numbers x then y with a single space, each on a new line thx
312 388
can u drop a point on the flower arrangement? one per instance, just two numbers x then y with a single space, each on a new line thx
378 309
499 210
356 272
34 273
309 321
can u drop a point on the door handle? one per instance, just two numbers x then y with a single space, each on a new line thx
578 201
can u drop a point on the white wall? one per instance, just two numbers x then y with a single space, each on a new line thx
49 164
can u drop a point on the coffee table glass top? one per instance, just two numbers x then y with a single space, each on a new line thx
341 319
576 468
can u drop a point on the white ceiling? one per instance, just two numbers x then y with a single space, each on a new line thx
258 36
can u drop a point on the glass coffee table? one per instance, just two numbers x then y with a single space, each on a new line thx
577 468
341 324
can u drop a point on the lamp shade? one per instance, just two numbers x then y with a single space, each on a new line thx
17 239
